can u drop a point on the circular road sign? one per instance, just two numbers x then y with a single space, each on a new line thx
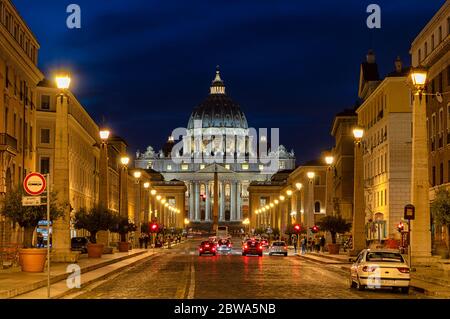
34 184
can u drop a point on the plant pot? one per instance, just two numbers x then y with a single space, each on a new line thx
95 250
123 246
32 259
333 249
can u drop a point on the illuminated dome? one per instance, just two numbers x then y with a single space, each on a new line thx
218 110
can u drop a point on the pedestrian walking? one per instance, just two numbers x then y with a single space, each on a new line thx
322 244
141 240
310 244
145 240
294 242
304 243
317 243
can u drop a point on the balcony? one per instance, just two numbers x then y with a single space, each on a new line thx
8 143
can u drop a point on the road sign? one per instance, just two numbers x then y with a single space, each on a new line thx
31 200
410 212
34 184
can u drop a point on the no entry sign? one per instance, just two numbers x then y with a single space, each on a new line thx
34 184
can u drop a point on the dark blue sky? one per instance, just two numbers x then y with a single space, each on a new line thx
142 65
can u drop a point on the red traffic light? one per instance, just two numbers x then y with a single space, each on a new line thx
315 229
153 227
297 228
400 227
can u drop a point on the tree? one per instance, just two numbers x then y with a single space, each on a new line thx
28 217
440 210
122 226
335 225
94 220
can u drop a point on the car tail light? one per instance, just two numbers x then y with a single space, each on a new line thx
284 247
369 268
206 246
245 246
200 249
214 248
403 270
229 245
260 247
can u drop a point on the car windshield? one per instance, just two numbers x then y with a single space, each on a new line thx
279 243
384 257
252 242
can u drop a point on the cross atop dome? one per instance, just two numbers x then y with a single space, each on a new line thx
217 86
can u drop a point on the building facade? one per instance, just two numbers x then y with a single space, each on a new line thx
218 138
19 76
385 115
431 49
343 166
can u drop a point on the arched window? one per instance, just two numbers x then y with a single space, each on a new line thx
317 207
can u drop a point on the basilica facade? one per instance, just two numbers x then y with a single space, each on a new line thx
218 139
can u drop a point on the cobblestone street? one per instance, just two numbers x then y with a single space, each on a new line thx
181 273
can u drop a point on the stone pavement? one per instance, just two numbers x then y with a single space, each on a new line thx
432 280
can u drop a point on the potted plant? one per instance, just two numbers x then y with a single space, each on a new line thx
123 226
31 259
335 225
440 211
94 220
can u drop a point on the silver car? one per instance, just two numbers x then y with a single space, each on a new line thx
278 248
224 246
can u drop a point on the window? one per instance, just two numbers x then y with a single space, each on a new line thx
448 172
448 26
441 174
202 166
244 166
169 167
45 135
440 35
227 166
316 180
426 49
45 165
184 167
440 83
45 102
448 75
433 125
432 42
261 167
419 56
6 120
317 207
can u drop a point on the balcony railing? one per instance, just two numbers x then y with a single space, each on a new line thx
8 140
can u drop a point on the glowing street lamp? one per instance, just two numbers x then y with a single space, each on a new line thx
63 81
289 192
310 175
146 185
276 201
358 133
282 198
104 135
153 192
419 77
299 186
329 160
158 198
271 205
137 174
124 160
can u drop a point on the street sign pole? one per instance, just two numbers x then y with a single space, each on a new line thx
409 244
48 236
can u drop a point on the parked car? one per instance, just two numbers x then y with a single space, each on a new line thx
278 248
252 247
380 268
207 247
79 244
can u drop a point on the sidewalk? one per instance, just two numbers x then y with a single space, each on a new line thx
20 285
432 281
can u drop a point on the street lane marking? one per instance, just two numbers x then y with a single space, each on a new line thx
181 290
192 283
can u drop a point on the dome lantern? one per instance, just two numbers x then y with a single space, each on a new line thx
217 86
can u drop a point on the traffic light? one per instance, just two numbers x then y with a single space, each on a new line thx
203 197
400 227
153 227
314 229
297 228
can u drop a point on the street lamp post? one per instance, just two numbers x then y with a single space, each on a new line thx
310 211
137 175
359 213
103 201
329 187
420 227
61 228
123 189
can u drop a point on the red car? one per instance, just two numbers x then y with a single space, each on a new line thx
252 247
207 247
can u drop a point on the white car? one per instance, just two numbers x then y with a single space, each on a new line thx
380 268
278 247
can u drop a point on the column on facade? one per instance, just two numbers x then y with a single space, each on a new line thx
191 201
208 203
310 207
233 201
239 202
197 201
222 202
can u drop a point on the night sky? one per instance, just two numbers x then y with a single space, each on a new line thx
140 66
